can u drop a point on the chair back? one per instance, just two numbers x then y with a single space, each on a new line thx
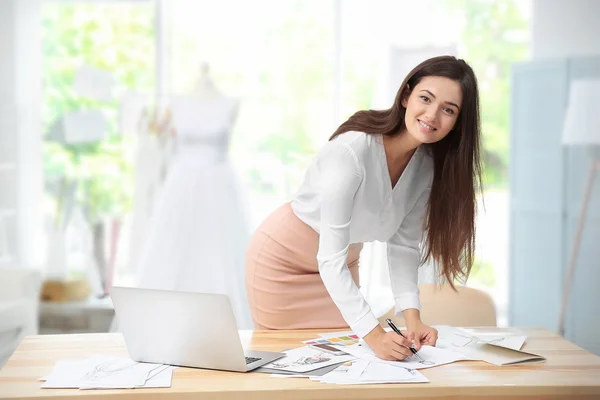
441 305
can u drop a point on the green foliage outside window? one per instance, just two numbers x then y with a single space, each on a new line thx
495 36
118 38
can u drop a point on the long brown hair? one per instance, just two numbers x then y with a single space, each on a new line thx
450 222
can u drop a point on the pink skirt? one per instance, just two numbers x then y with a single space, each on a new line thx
285 290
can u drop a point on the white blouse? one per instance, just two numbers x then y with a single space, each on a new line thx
347 197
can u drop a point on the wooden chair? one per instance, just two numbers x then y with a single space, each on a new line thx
441 305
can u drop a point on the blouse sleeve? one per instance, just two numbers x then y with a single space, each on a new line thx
404 256
341 174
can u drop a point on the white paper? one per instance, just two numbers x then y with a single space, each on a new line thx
338 373
486 346
162 379
159 379
456 338
118 374
378 372
294 376
67 374
100 372
365 372
346 375
428 356
509 342
514 342
304 359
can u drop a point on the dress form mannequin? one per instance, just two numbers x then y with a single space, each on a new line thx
205 87
198 235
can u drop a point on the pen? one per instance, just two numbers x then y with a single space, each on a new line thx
393 326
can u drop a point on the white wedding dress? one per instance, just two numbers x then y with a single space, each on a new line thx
198 233
150 165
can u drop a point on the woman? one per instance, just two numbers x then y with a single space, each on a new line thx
395 175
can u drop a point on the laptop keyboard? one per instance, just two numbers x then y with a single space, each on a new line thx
250 360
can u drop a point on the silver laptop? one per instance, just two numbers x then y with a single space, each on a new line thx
183 328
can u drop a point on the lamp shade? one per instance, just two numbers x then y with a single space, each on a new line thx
582 121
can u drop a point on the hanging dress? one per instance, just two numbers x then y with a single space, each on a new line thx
198 234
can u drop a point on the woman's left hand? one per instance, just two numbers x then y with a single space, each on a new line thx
421 334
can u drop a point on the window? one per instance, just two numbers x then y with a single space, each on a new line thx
276 56
299 69
88 184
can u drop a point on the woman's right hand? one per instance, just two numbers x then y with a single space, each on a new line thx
388 345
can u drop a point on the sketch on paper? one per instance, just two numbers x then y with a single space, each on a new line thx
304 359
427 356
450 337
109 369
461 340
416 358
310 360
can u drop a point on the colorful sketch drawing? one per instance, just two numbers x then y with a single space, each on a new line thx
339 341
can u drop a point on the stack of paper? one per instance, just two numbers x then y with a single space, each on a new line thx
303 360
426 357
101 372
315 373
365 367
306 362
362 372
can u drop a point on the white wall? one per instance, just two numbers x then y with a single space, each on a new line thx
563 28
20 98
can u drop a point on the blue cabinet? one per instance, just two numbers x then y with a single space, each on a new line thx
546 187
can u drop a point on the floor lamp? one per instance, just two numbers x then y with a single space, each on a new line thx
581 128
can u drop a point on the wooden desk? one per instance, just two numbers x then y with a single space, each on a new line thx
569 373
